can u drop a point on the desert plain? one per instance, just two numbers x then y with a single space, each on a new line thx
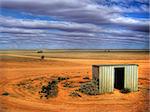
26 69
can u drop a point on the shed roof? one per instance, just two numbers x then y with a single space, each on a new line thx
115 65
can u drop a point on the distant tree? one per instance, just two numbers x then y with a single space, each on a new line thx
40 51
42 57
107 50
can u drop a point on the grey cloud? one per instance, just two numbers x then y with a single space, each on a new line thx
129 6
37 30
123 36
142 28
20 30
141 25
57 41
82 22
75 10
81 11
39 24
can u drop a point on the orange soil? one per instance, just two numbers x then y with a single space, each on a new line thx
25 68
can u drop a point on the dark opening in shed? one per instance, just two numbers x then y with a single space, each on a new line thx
119 78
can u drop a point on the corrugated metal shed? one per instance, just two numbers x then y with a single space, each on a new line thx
109 76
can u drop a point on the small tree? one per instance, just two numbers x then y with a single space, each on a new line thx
42 57
40 51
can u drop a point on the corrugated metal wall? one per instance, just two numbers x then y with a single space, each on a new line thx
106 77
131 77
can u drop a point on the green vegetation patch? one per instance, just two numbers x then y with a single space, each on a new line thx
125 90
74 94
50 90
69 84
89 88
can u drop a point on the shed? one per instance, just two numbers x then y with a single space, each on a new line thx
117 76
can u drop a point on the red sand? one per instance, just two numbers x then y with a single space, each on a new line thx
21 68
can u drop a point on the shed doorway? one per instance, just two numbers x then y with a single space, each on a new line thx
119 78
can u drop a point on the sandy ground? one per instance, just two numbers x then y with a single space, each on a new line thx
26 67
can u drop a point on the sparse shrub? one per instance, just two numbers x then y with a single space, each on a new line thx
81 82
125 90
62 78
90 88
5 94
51 90
21 83
96 81
74 94
86 77
68 84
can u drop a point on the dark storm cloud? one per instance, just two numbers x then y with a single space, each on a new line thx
142 28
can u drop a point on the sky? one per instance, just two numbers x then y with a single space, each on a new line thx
74 24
